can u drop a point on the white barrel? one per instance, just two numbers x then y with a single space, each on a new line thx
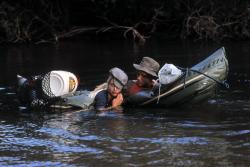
60 83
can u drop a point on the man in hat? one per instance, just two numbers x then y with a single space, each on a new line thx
146 73
111 97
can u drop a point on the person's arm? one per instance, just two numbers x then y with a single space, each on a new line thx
117 102
101 102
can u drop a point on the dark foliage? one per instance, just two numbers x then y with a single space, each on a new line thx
51 21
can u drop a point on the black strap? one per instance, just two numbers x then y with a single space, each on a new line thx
222 83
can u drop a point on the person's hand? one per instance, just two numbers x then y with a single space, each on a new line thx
117 101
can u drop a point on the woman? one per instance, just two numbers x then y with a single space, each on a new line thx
111 96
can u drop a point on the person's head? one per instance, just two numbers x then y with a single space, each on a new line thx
116 81
147 71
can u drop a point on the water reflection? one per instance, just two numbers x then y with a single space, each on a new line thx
75 138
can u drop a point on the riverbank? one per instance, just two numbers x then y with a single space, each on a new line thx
54 21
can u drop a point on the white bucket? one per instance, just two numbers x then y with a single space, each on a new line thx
61 83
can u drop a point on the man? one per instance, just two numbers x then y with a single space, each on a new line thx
111 97
146 73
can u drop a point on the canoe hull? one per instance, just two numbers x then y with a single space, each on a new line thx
192 87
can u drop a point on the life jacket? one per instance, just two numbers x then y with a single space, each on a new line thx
133 88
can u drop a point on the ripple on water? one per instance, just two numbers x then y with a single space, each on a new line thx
173 140
236 133
36 163
48 145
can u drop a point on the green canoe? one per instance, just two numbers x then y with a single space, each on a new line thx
196 84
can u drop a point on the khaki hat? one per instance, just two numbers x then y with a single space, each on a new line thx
119 76
148 65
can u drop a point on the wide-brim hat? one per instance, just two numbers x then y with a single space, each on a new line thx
119 76
148 65
59 83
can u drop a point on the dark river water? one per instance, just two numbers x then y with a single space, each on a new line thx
213 133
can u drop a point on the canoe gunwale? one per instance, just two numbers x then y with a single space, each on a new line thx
175 89
205 66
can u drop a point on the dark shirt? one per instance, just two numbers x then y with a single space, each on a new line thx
134 94
101 100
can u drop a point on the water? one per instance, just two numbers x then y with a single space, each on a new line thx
213 133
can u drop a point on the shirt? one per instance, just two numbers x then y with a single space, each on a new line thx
101 100
132 88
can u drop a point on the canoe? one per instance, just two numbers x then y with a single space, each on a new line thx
195 84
